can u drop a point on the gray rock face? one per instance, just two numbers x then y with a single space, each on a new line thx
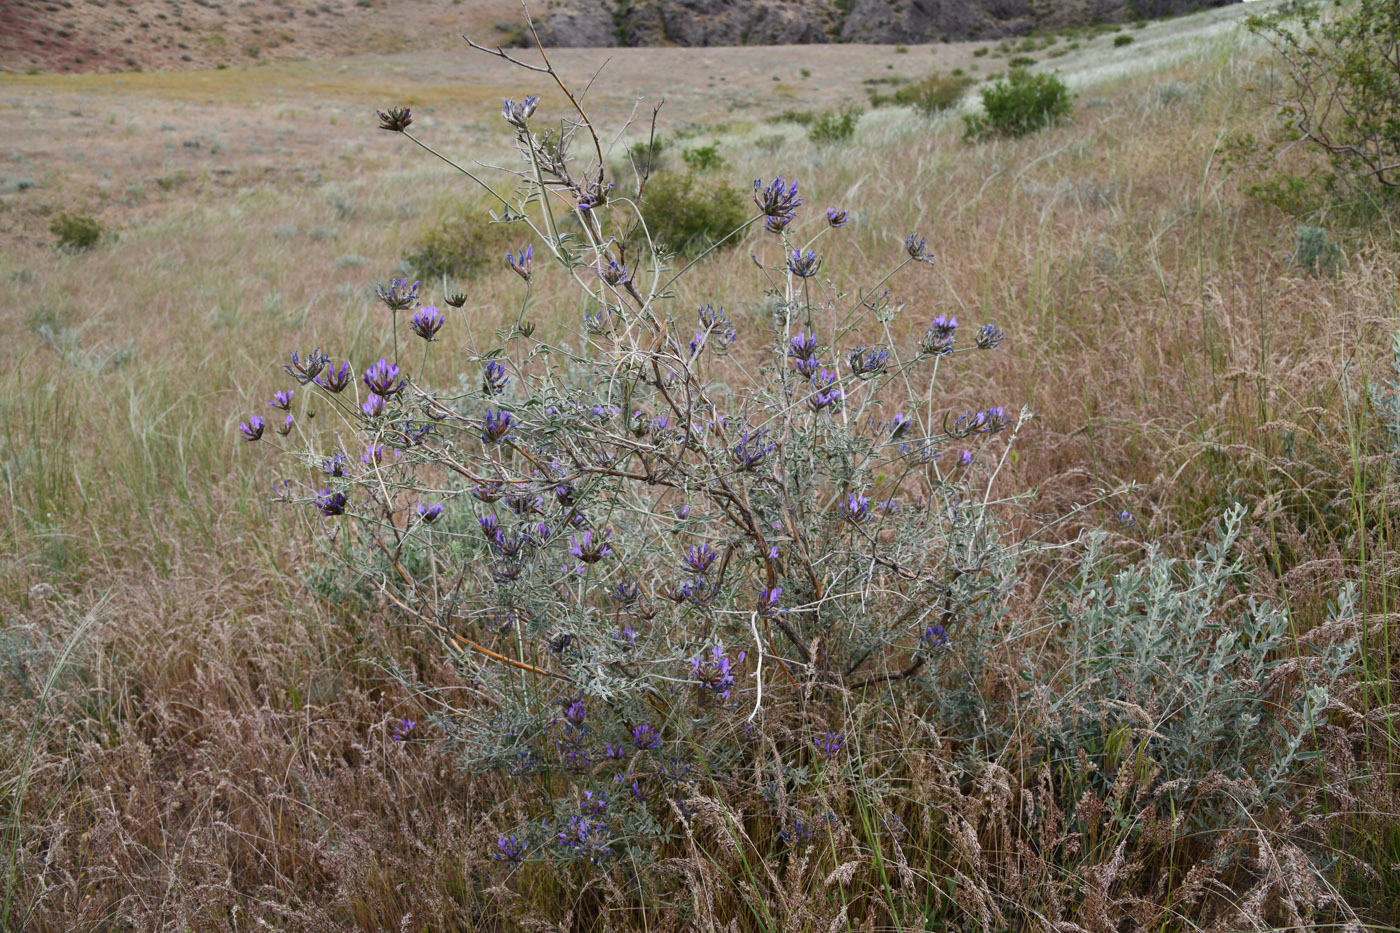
795 22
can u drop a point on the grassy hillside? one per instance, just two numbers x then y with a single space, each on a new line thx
197 737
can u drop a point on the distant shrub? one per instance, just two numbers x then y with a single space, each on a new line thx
1018 104
1020 61
646 155
901 50
1120 41
935 93
978 53
800 117
460 246
1316 252
703 158
687 212
834 127
76 232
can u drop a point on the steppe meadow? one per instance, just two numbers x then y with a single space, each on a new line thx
1009 548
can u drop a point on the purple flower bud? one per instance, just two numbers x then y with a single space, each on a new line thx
429 512
285 427
282 399
935 637
899 426
776 199
402 728
837 218
644 737
508 849
855 508
426 322
252 428
916 249
830 743
396 120
516 114
590 549
493 378
965 458
989 337
803 346
398 295
374 453
304 371
522 265
866 363
614 273
490 525
698 560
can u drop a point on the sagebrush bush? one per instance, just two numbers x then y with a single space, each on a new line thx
703 158
462 246
1021 102
76 232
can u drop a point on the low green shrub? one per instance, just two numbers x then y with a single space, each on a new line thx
1019 103
935 93
834 127
462 246
76 232
703 158
686 212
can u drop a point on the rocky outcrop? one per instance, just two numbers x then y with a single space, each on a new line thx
794 22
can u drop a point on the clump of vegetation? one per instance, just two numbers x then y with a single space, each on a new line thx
1342 89
931 95
687 212
703 158
1316 252
834 126
1120 41
462 246
1019 103
76 233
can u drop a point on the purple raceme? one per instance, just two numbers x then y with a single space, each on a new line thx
429 512
803 265
398 295
374 454
496 426
589 838
751 449
336 380
777 223
373 406
614 273
396 119
590 548
777 198
380 379
698 560
490 525
402 729
282 399
855 508
803 346
494 378
285 427
714 671
508 849
331 503
938 339
517 114
644 737
916 249
826 394
866 363
899 426
965 458
837 218
829 743
426 322
334 465
989 337
935 637
488 492
768 601
253 428
303 371
523 264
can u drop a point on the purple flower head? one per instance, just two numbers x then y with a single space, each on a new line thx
490 525
614 273
829 743
396 119
508 544
374 453
826 393
855 508
402 728
489 491
591 839
658 425
252 429
935 637
1125 518
398 295
426 322
282 399
989 337
456 300
380 379
303 371
777 223
866 363
710 316
682 512
525 505
496 426
965 458
373 406
837 218
715 671
285 427
523 264
751 449
429 512
768 601
508 849
698 560
808 368
493 378
987 421
803 346
900 425
645 737
539 535
334 465
598 323
516 114
938 339
336 380
803 265
331 503
590 548
917 249
627 635
777 198
626 592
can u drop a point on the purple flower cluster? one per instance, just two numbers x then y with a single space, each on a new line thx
714 671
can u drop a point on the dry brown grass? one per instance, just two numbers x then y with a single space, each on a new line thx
217 752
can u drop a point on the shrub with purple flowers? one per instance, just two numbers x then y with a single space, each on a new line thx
650 533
